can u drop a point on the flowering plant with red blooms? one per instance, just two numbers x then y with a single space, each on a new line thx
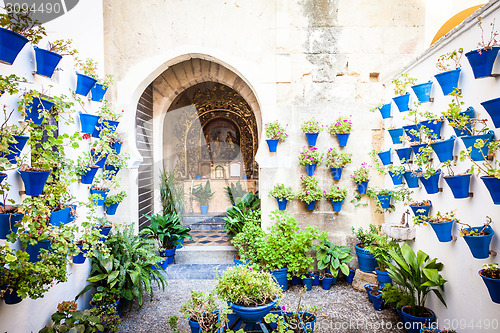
274 130
67 306
310 156
86 136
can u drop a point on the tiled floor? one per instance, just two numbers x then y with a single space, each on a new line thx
208 238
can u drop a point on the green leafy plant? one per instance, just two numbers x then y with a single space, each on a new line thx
62 47
380 247
343 125
310 155
439 218
167 230
398 194
280 191
402 84
172 196
274 130
472 232
487 167
491 270
310 190
335 193
115 198
248 240
424 162
361 174
246 210
450 60
334 159
69 319
366 237
311 126
333 257
396 295
203 193
202 309
234 191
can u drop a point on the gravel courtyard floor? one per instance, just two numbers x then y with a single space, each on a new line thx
343 309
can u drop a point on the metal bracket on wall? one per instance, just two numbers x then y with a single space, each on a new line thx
493 253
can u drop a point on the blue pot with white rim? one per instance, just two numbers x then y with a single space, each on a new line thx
423 91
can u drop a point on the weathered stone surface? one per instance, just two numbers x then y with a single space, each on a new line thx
361 278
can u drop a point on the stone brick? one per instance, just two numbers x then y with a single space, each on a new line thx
361 278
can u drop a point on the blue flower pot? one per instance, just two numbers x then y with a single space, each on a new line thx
282 203
493 286
411 179
179 244
369 288
16 148
443 230
11 43
416 323
312 138
326 283
80 257
98 91
366 260
2 177
397 179
402 102
478 154
493 186
310 168
272 144
308 283
424 210
252 314
10 296
104 232
204 209
99 158
423 91
350 277
431 184
240 262
34 181
482 63
34 108
60 217
296 281
34 250
385 157
111 209
46 61
362 187
83 84
342 139
88 122
433 126
493 108
337 205
459 185
117 147
413 137
444 149
88 176
417 149
448 80
480 245
315 276
198 177
396 134
377 300
311 205
385 110
112 171
385 201
336 173
169 254
102 196
163 263
7 223
404 154
469 113
280 276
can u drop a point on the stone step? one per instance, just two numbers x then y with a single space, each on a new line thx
196 271
205 255
205 222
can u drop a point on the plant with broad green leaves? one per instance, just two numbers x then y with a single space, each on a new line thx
335 193
115 198
172 196
246 209
69 319
335 159
310 155
234 191
419 274
280 191
312 126
380 248
202 193
310 190
402 83
274 130
333 257
167 230
395 295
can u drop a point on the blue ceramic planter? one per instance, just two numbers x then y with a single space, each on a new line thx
46 61
34 250
16 148
385 110
459 185
431 184
88 176
342 139
414 324
493 108
433 126
308 283
326 283
493 186
366 260
169 254
112 171
444 149
117 147
311 205
111 209
443 230
80 257
252 314
310 168
480 245
469 113
482 63
397 179
385 201
478 154
34 181
83 84
396 134
385 157
272 144
423 91
104 232
279 276
402 102
99 158
88 122
282 203
2 177
336 173
362 187
33 110
98 91
409 131
102 196
312 138
493 286
337 205
179 244
417 149
10 296
296 281
350 277
377 301
110 125
60 217
204 209
11 43
404 154
421 210
383 277
369 288
448 80
7 224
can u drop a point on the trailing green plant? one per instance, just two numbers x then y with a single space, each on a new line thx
424 162
69 319
274 130
203 193
172 195
167 230
115 198
335 193
335 159
310 190
333 257
379 167
234 191
402 83
310 155
21 21
343 125
280 191
361 174
450 60
438 218
106 112
311 126
488 167
398 194
419 274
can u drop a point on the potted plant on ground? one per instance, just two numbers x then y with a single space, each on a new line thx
234 192
380 246
449 65
248 241
401 85
282 194
310 191
203 312
342 128
310 158
337 196
112 201
311 128
396 295
478 238
366 260
337 161
275 134
361 177
334 258
203 194
68 318
481 60
491 277
419 274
